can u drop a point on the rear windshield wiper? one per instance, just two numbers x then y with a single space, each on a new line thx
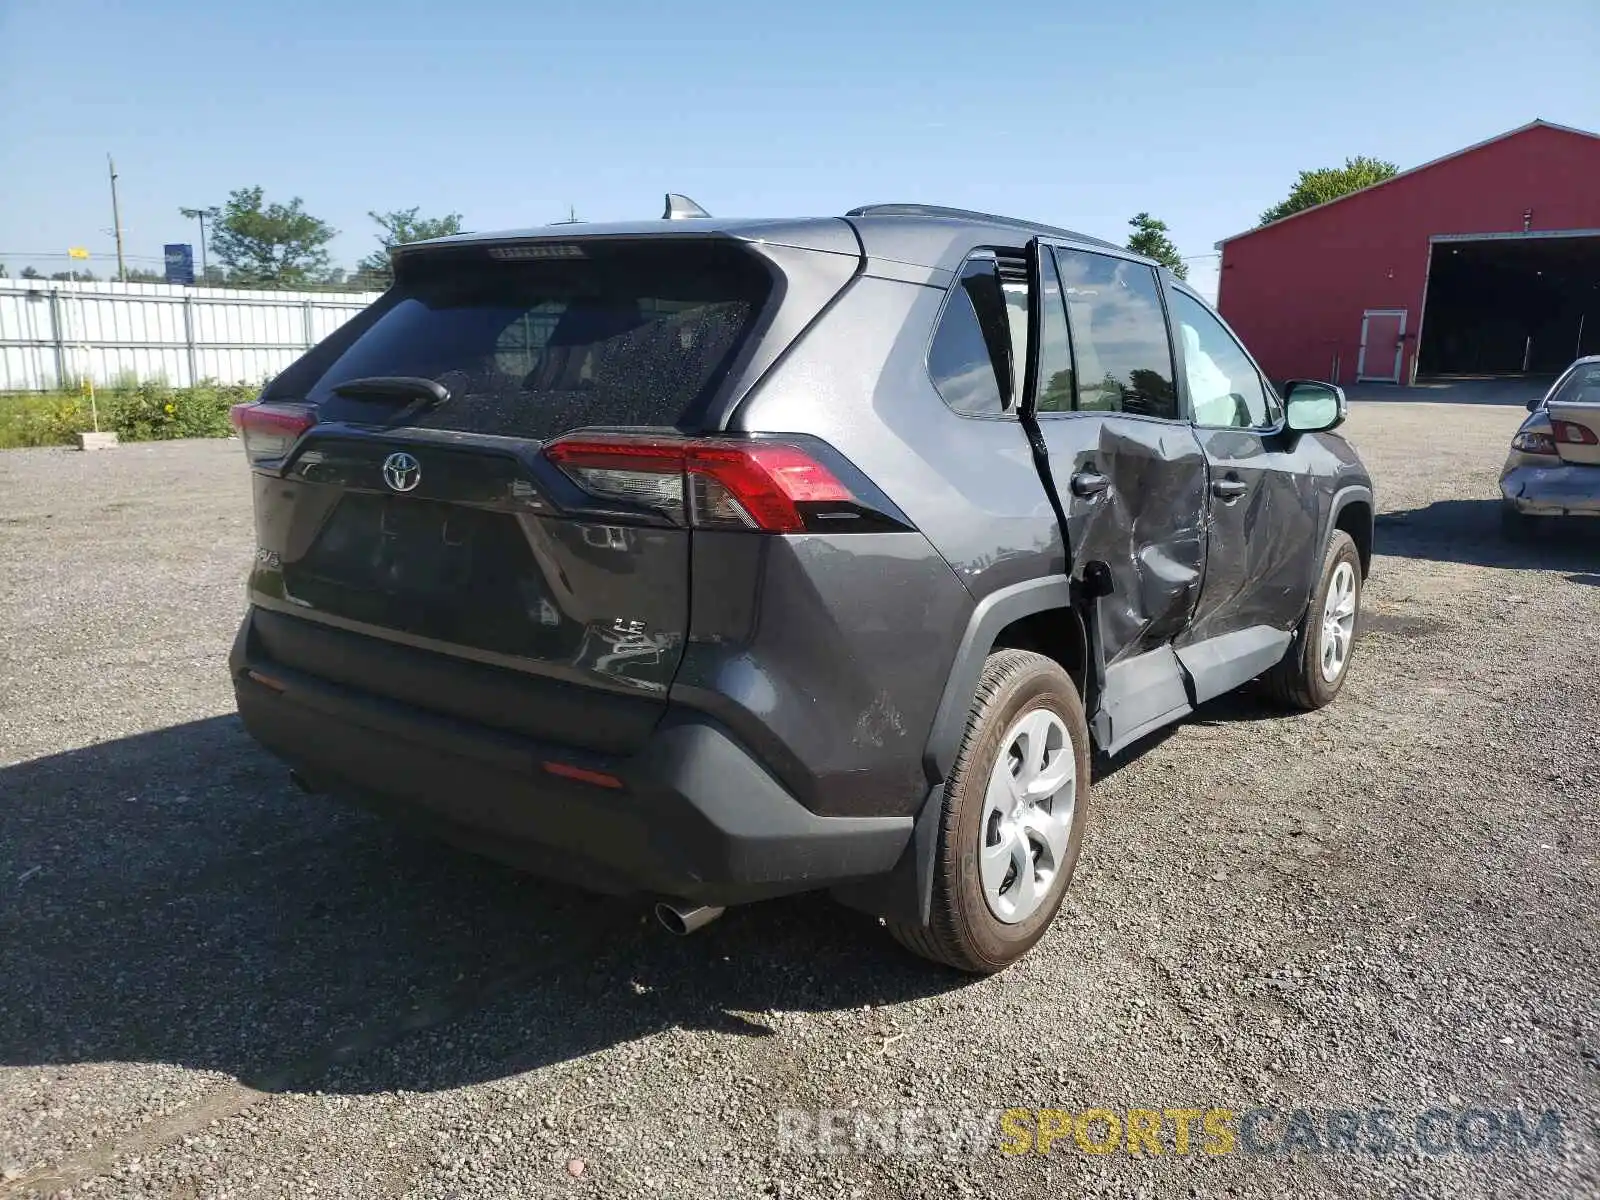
423 393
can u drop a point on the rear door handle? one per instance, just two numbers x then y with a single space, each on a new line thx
1089 483
1229 489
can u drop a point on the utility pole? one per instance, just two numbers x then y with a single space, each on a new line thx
116 220
201 215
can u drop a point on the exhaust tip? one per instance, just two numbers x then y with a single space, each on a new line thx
682 920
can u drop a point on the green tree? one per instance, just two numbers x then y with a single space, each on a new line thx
31 273
270 245
1329 183
1150 239
76 276
398 228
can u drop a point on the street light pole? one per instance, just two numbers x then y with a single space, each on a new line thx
200 214
116 220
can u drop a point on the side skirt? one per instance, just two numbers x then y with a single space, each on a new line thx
1139 695
1222 663
1163 685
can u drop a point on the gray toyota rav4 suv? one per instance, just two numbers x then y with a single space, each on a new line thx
718 560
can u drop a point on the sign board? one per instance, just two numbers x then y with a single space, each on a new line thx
180 262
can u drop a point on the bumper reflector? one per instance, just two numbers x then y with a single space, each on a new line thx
582 774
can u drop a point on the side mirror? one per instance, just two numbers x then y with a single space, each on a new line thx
1313 407
1533 405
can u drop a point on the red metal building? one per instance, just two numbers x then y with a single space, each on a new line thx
1485 261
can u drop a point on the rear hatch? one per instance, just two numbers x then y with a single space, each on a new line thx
1574 411
418 542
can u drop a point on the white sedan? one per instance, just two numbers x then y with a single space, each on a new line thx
1553 469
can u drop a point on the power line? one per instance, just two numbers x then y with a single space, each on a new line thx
58 254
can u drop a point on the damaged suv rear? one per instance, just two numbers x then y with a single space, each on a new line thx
719 560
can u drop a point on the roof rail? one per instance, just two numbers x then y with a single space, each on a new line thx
967 214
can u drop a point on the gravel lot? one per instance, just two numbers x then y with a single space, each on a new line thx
211 985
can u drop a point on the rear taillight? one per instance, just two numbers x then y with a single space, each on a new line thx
644 471
269 430
1573 434
771 487
1534 441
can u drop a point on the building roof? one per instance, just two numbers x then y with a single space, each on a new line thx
1536 123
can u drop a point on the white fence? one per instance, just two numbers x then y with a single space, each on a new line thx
54 332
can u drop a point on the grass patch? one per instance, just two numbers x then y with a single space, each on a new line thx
148 412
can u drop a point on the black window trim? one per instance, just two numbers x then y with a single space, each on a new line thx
1275 407
1172 350
1012 410
1036 317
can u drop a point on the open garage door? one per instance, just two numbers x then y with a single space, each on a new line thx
1510 304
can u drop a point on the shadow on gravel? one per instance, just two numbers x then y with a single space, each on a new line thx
1469 531
169 898
1246 705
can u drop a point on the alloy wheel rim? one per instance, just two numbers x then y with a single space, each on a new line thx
1338 621
1027 815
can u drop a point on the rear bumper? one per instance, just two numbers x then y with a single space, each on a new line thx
696 818
1569 490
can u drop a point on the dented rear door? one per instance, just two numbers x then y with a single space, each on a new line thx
1139 538
1129 471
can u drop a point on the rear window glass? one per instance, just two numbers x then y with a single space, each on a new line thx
1581 386
626 335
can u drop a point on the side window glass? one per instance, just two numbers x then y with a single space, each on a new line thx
1119 335
970 359
1055 347
1224 387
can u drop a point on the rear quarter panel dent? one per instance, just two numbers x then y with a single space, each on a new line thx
827 654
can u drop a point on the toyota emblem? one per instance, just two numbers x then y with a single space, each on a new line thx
401 471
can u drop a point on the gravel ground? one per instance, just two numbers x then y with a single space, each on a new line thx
211 985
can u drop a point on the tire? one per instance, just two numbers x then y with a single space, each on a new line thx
1298 681
1023 700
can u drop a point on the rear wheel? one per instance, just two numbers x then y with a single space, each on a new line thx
1312 670
1014 812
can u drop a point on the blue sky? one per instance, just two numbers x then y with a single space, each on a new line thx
1077 114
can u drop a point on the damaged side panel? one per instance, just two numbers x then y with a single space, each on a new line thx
1133 490
1145 528
827 654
